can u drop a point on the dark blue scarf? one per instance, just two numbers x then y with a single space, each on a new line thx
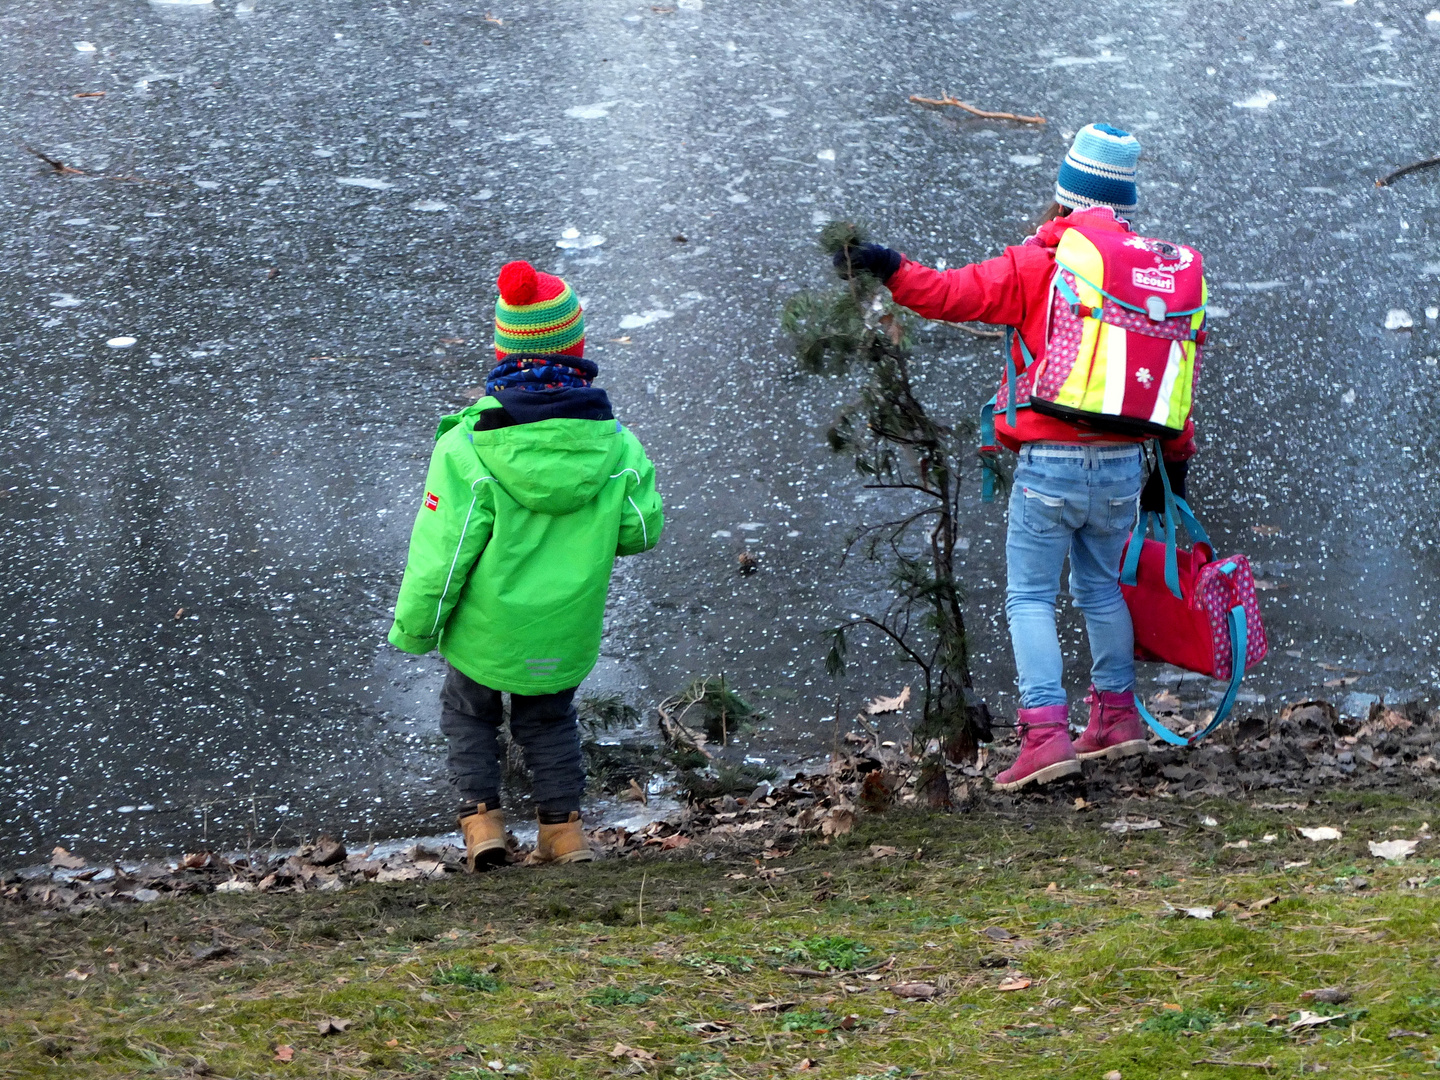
541 371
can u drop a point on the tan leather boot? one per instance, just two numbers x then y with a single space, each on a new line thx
561 843
484 832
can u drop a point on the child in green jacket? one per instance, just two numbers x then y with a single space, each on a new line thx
532 493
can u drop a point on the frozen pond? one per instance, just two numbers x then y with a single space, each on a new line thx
296 209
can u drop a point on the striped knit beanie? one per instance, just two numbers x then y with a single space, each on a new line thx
1099 170
537 313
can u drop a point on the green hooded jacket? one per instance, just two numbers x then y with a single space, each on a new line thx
514 543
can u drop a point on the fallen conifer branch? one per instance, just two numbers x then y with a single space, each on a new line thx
1386 181
948 100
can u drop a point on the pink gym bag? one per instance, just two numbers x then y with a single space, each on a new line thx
1189 608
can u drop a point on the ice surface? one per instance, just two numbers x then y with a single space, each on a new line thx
1398 319
428 206
84 46
825 155
64 300
571 239
371 183
122 342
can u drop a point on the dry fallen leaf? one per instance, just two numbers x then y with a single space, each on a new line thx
333 1026
882 851
1308 1020
805 1065
1321 832
917 991
392 1043
61 859
1014 984
889 704
1126 826
839 822
1393 849
1164 701
670 843
772 1006
633 1053
284 1053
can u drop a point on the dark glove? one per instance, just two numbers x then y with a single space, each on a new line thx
872 258
1152 498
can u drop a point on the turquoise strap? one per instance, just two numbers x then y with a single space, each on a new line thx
1121 303
1239 647
1011 381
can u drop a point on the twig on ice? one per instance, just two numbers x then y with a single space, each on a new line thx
56 164
1385 181
972 329
948 100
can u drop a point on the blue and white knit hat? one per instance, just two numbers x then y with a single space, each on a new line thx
1099 170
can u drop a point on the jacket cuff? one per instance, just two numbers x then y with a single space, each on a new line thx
418 646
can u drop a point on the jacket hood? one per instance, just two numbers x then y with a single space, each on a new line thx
552 466
1100 218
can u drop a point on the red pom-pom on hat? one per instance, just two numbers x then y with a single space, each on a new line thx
518 283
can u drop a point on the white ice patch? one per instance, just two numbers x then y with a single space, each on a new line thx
1260 100
572 240
1216 312
1347 398
751 526
64 300
1105 57
775 113
368 182
690 5
820 217
825 155
1398 319
1433 16
420 114
721 534
1430 268
76 221
645 318
591 112
482 196
84 46
1432 313
122 342
181 3
428 206
208 185
1025 160
738 199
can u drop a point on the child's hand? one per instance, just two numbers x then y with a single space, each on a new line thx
872 258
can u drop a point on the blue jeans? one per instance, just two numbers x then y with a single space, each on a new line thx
1081 501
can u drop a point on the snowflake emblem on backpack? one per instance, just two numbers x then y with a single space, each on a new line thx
1144 377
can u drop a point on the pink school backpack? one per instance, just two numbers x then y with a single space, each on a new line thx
1122 344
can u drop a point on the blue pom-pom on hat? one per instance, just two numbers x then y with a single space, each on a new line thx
1099 170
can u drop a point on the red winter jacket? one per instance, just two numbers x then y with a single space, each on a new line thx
1014 290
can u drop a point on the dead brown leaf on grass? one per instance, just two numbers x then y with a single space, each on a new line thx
915 991
333 1026
1014 984
631 1053
772 1006
284 1053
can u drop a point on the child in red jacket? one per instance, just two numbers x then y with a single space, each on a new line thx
1076 488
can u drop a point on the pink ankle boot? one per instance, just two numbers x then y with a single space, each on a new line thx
1114 730
1045 750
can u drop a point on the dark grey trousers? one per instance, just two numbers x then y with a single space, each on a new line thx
545 726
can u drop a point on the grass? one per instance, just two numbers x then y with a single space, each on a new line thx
543 972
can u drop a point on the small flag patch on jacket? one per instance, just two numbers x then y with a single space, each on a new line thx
432 501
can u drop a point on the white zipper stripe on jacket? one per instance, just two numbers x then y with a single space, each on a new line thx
458 545
644 532
622 472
